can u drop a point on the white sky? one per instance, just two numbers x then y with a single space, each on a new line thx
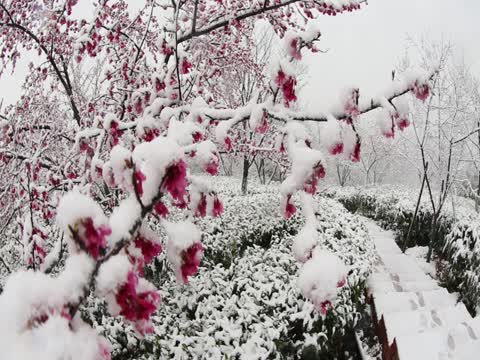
364 46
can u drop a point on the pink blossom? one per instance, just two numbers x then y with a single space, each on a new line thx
185 66
139 179
202 207
149 248
135 306
217 207
310 185
290 209
390 132
138 106
159 85
421 91
341 283
175 180
160 209
93 238
351 104
263 126
150 134
228 144
337 148
295 48
115 133
212 166
287 85
191 261
197 136
401 120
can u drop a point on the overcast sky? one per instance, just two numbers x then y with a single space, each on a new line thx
364 46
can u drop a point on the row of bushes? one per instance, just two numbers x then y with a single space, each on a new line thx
457 248
244 303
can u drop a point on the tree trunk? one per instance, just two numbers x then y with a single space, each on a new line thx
433 237
246 166
407 238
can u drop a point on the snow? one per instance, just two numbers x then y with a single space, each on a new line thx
419 254
180 236
112 273
123 219
153 158
407 322
74 207
304 242
319 277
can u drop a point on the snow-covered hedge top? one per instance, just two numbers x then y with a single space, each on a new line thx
253 309
397 200
251 306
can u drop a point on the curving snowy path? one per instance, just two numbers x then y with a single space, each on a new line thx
414 317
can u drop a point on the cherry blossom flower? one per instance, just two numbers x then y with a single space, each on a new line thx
191 259
160 209
228 144
212 166
287 84
310 185
217 207
93 239
421 90
175 180
185 66
139 179
290 209
137 307
337 148
201 209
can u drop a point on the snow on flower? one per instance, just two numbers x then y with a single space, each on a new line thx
310 185
289 208
146 241
84 223
123 219
293 43
319 278
128 295
121 165
228 144
161 160
184 248
286 84
337 148
421 90
351 103
304 242
185 66
207 157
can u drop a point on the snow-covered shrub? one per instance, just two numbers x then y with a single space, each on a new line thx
461 271
393 209
252 308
